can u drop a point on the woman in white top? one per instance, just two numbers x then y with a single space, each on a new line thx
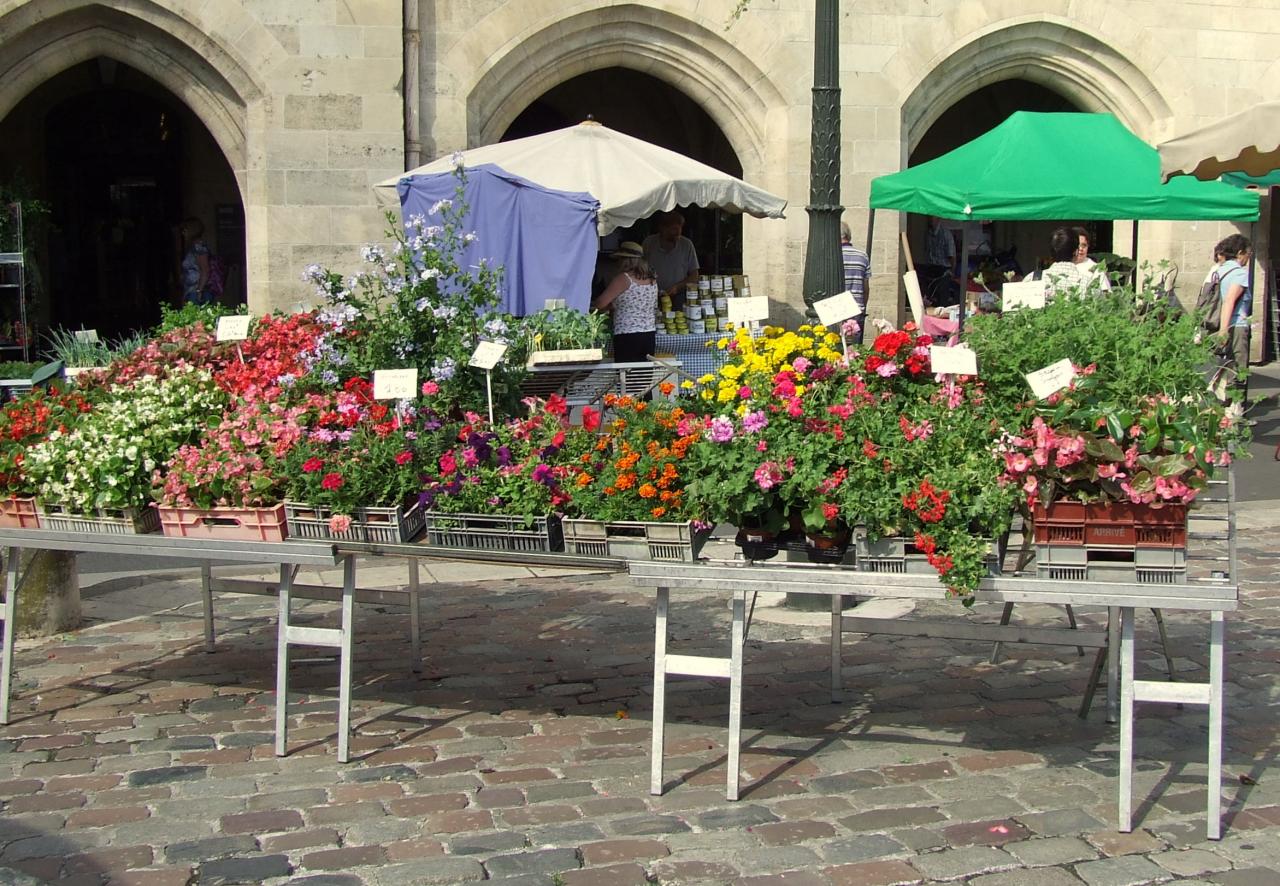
633 299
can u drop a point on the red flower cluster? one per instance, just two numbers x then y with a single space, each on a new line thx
929 547
928 503
271 357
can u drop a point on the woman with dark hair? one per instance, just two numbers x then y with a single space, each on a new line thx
633 299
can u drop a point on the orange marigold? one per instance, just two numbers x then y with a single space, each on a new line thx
584 480
659 512
648 491
625 481
666 387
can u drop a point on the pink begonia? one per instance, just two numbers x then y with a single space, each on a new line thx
888 369
339 523
1017 462
1041 457
1110 470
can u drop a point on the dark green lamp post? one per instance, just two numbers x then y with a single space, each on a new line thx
823 267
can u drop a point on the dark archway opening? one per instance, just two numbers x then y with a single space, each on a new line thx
120 161
643 106
975 114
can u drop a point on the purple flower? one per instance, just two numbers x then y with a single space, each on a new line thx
504 456
544 475
721 430
755 422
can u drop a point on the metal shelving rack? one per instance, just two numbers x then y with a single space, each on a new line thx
13 280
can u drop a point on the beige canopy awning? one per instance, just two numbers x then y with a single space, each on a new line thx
630 177
1248 142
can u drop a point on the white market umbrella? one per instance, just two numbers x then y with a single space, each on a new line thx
1247 141
630 177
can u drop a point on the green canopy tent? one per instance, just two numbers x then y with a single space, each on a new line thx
1046 166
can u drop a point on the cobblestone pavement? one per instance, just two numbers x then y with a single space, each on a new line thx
520 755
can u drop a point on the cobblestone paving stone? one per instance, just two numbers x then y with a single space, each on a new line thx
520 754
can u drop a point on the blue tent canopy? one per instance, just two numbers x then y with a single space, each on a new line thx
545 240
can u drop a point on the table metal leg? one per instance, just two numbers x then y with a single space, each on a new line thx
1005 615
206 598
282 659
10 616
415 616
1125 810
344 663
735 692
837 646
1113 664
659 690
1217 632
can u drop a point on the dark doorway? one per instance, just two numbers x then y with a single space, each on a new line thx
120 161
643 106
977 113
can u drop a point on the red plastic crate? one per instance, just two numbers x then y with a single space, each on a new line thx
19 513
1112 524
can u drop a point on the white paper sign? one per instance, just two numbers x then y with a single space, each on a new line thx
88 336
1027 294
488 354
1051 379
954 361
837 309
395 384
234 328
553 304
914 297
744 310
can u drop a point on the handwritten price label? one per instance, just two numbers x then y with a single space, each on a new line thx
234 328
1051 379
488 354
954 361
745 310
87 336
395 384
837 309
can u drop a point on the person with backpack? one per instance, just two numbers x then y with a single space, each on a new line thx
201 272
1233 314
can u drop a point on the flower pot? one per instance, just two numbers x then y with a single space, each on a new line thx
827 546
240 524
757 543
18 512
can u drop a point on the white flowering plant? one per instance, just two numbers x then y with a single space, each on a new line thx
106 459
416 305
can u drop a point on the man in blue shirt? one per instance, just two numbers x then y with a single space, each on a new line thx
857 272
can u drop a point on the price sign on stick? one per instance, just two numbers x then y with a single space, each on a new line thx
87 336
395 384
1027 294
954 361
914 296
837 309
743 310
553 304
488 354
1051 379
233 328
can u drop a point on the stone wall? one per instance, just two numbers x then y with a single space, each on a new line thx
305 96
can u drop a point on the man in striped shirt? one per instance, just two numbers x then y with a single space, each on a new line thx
857 271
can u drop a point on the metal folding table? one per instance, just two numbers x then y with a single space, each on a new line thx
741 582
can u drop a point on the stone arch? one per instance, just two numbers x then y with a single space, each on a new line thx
700 62
1053 53
190 58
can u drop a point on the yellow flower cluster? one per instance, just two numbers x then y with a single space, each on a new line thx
755 361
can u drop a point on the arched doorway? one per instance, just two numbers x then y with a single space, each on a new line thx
972 116
120 161
643 106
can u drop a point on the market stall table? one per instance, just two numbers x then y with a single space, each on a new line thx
739 581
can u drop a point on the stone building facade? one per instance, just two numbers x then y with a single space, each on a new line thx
309 102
